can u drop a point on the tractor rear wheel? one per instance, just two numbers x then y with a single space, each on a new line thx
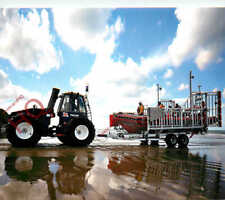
183 140
171 140
23 134
3 117
82 133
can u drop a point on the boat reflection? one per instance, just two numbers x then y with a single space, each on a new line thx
171 168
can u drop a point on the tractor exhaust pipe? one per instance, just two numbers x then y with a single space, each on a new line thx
52 100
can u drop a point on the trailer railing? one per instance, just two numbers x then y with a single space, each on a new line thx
212 104
176 118
205 112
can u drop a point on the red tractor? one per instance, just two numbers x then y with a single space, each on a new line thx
26 127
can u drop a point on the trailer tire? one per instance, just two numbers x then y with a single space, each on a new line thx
183 140
23 134
82 133
171 140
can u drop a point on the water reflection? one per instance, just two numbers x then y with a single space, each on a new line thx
60 176
121 172
169 170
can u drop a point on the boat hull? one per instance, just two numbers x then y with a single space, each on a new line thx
131 122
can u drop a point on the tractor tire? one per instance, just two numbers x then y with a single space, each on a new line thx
82 133
171 140
23 134
183 141
3 117
26 168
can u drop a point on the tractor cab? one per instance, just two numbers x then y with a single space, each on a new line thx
73 105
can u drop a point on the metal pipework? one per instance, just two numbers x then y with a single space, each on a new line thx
52 100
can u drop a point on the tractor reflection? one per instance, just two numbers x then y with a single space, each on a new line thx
63 175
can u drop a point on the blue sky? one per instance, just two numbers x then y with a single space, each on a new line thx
121 53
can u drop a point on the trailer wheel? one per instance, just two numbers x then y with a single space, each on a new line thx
81 133
171 140
183 140
23 134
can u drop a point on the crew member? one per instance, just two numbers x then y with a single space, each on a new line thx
160 105
140 109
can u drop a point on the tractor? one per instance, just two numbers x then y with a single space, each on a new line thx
26 127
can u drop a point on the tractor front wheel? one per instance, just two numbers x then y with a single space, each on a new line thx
82 133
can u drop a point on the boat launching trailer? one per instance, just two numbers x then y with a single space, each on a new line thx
175 124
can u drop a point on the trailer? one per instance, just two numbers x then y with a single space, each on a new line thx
173 123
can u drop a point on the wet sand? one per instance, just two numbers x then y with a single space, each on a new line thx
114 169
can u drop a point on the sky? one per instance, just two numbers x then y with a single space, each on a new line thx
121 53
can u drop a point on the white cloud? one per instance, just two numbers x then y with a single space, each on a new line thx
168 74
26 41
200 34
87 28
224 93
215 90
10 92
183 86
203 58
3 79
168 83
180 101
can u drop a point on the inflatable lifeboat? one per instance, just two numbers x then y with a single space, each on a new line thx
131 122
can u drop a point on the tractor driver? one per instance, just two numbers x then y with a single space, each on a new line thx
140 109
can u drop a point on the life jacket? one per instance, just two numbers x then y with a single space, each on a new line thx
141 110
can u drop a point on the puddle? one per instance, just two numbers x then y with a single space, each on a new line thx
113 172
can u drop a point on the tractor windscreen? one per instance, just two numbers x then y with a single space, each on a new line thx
73 104
66 106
